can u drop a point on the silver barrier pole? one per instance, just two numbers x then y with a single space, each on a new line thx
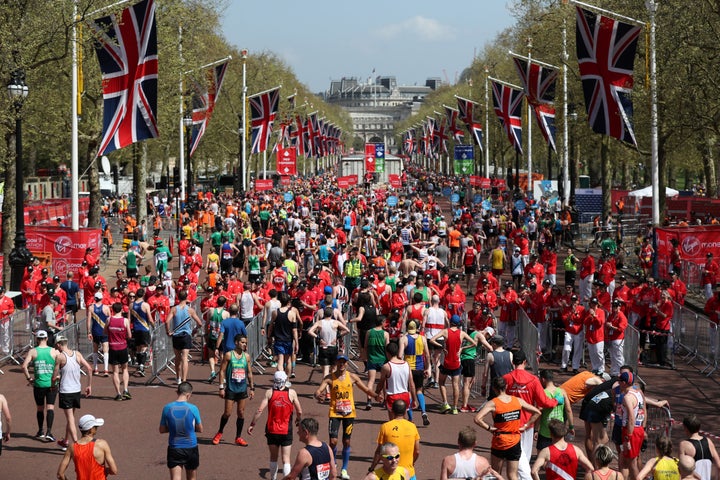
528 334
160 354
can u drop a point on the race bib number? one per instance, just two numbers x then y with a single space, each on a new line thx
323 471
343 407
238 375
162 256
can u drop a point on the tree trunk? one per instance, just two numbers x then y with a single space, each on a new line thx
8 207
140 182
93 186
709 167
605 177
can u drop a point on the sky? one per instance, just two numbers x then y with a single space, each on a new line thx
324 40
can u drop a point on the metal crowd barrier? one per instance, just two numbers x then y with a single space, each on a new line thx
16 336
256 340
658 423
691 274
631 347
696 336
528 337
161 353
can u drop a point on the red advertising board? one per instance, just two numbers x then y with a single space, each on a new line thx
475 180
285 180
352 179
369 157
395 180
262 184
286 161
63 248
343 182
694 242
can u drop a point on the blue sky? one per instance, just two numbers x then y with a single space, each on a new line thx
323 40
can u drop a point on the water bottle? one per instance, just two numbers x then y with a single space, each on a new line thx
569 437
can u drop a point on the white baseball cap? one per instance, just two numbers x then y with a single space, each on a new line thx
88 421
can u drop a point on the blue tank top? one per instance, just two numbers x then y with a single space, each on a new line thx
226 251
181 314
99 320
140 321
324 254
414 354
236 373
319 469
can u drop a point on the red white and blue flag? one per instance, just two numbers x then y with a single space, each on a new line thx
313 135
263 110
606 57
298 135
507 102
545 116
456 132
539 83
126 47
465 108
477 132
203 103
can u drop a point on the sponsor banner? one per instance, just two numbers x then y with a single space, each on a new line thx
369 157
395 180
694 243
380 157
352 179
343 182
286 161
262 184
63 248
464 157
285 180
478 181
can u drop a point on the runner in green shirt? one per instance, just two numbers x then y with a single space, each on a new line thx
42 358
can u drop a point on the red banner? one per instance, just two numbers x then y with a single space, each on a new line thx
62 248
286 164
369 157
285 180
343 182
352 179
395 180
694 242
475 180
262 185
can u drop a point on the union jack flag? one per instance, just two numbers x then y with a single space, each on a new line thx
537 80
409 142
441 138
204 99
313 135
606 57
545 116
454 130
465 107
298 135
508 107
126 47
263 110
477 132
283 136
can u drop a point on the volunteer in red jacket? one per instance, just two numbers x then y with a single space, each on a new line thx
594 320
615 334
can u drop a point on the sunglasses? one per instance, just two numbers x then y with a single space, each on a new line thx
391 457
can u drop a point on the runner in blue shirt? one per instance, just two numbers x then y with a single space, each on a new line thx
181 419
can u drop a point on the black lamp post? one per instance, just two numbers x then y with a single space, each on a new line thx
20 256
188 121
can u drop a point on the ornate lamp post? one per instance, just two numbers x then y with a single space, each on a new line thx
20 256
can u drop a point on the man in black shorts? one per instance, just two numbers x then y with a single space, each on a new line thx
326 331
67 372
281 402
43 359
595 410
181 419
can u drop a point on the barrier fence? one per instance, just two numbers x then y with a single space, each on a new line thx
16 336
696 337
659 422
528 337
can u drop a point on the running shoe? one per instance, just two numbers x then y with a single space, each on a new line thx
40 435
63 444
49 437
368 406
119 398
212 377
426 420
216 439
273 364
126 395
445 408
344 475
454 411
241 442
292 374
468 409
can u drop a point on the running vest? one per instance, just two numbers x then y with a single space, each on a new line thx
280 412
435 321
506 420
397 381
319 469
666 468
140 321
464 468
703 458
342 403
452 347
283 329
43 367
639 409
376 346
117 334
99 320
214 324
414 351
70 374
86 467
181 322
236 373
563 464
381 474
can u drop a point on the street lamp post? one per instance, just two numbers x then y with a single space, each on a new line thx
188 121
20 256
573 166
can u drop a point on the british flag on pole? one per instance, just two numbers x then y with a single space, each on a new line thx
456 132
126 47
465 107
263 110
539 81
606 57
203 103
507 102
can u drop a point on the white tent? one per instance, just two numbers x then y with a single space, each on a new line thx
647 192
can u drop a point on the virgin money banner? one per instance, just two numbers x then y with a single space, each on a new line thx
694 243
352 179
343 182
394 180
62 248
261 184
286 161
285 180
370 157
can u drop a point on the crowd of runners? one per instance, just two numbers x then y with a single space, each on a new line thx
419 287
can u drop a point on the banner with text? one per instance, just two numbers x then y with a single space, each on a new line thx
261 184
694 243
380 157
370 157
464 159
62 248
395 180
286 161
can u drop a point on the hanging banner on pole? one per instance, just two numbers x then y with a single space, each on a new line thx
369 157
464 159
261 185
286 161
380 157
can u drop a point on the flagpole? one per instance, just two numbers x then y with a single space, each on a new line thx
243 166
181 156
211 64
487 125
654 165
566 158
609 12
74 155
529 127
